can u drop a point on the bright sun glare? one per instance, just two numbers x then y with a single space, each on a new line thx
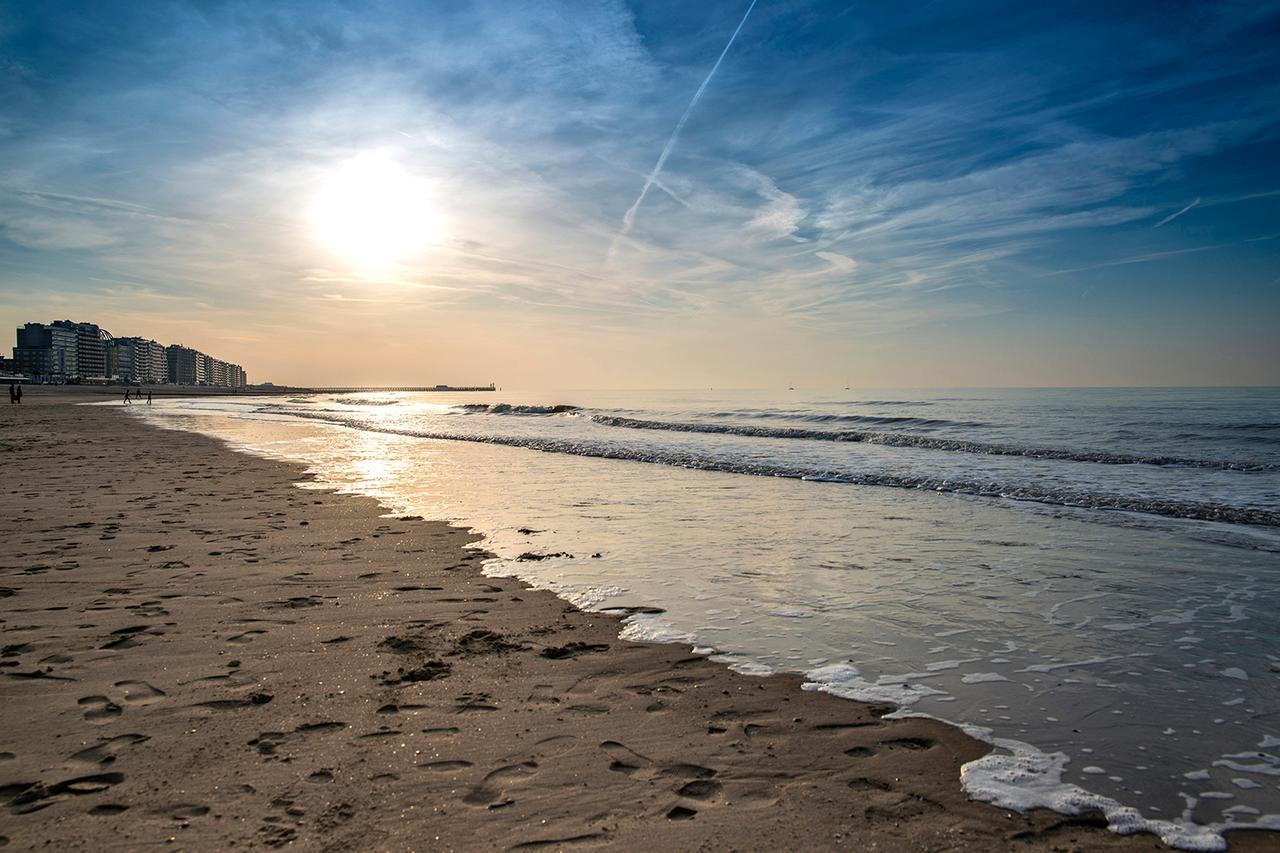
373 212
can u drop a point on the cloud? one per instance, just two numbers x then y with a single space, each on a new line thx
828 175
628 218
38 231
1174 216
841 263
780 215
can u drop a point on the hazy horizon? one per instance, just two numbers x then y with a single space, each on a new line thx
625 195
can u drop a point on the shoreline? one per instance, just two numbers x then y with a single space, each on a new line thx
194 643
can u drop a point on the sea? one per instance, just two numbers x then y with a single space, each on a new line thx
1086 579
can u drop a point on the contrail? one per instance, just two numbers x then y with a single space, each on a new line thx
1174 216
629 218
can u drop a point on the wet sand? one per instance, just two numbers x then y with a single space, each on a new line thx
199 654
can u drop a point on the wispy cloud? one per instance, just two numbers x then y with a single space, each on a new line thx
629 218
1174 216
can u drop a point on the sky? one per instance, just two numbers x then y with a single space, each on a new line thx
611 194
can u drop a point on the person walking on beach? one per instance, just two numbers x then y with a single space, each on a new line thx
126 396
148 398
17 392
13 393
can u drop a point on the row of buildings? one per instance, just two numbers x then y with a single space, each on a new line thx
64 351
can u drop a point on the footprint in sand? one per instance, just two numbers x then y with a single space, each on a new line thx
470 703
681 770
295 603
839 728
127 638
555 745
267 743
572 650
631 763
184 811
104 752
108 810
246 637
909 743
99 709
140 692
24 798
492 789
627 761
326 726
235 704
445 766
700 789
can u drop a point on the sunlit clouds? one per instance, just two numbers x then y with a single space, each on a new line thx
860 195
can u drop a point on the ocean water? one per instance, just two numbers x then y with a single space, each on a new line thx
1087 579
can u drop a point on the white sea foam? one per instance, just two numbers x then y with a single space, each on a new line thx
654 631
982 678
1020 777
744 665
939 666
843 680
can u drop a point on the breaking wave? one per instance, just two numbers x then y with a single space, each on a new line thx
508 409
1062 497
362 401
869 420
890 439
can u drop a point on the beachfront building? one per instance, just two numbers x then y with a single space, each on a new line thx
66 351
192 367
137 360
47 351
156 365
91 348
182 364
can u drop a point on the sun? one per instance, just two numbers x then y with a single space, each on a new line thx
373 212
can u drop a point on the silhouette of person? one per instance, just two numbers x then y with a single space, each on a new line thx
126 396
13 393
148 398
18 392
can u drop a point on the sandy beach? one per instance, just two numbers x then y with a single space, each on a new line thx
198 654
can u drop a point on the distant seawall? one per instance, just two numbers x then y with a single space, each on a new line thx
104 389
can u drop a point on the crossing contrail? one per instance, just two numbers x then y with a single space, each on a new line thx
629 218
1174 216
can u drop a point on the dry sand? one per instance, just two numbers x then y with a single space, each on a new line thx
198 654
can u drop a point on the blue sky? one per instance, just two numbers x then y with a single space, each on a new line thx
943 193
